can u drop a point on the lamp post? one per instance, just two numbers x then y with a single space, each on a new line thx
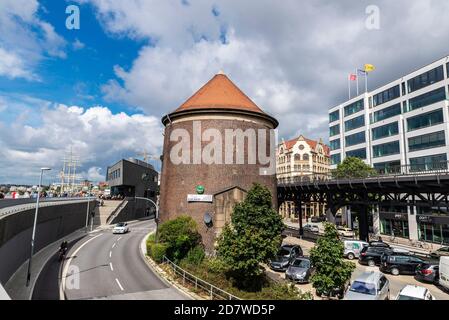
157 211
34 226
88 207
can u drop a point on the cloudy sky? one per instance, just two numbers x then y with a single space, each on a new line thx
102 89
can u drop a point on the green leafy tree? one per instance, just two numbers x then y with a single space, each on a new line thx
253 237
353 168
327 257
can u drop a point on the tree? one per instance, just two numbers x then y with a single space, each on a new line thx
253 237
327 256
353 168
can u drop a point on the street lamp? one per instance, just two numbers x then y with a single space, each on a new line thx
34 226
157 211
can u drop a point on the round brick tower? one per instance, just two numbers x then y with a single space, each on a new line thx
216 145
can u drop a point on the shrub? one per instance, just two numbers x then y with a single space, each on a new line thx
158 251
216 265
180 235
195 256
150 240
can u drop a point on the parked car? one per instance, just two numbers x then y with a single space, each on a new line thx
410 292
318 219
398 263
311 228
121 227
345 232
379 244
299 270
371 255
285 256
427 272
369 286
336 292
442 252
353 248
444 272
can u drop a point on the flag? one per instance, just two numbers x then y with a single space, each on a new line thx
369 67
353 77
361 72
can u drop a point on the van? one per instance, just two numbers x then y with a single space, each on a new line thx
353 248
444 272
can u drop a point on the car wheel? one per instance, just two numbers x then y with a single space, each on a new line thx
351 256
371 263
395 271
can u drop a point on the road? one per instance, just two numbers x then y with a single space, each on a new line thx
104 265
396 282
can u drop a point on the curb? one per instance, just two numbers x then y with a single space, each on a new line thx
161 274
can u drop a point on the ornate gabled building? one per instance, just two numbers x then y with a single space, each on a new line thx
302 157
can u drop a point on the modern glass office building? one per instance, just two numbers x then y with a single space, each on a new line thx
401 127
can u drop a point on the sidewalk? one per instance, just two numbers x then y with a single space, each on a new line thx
16 285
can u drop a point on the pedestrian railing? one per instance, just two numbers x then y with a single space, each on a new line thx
213 292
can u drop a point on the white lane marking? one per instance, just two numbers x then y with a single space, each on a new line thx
66 267
110 264
110 254
113 245
119 238
118 282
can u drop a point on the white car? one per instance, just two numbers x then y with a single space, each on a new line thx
345 232
410 292
121 227
311 228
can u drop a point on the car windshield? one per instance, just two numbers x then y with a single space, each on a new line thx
283 253
402 297
120 224
362 287
301 263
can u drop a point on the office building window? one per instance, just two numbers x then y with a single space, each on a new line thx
434 162
388 130
387 95
355 139
355 123
334 116
403 89
387 113
388 167
426 79
359 153
427 99
334 130
335 159
386 149
425 120
335 144
434 232
354 108
427 141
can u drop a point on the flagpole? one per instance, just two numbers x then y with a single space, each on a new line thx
349 87
366 81
357 74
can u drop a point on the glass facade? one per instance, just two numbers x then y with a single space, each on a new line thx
397 228
427 141
355 123
335 144
354 108
334 130
434 232
359 153
355 139
386 113
386 149
387 95
335 159
426 79
427 99
388 130
434 162
334 116
425 120
388 167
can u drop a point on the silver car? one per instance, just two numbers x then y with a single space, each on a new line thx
299 271
369 286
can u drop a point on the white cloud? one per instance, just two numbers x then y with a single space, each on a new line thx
95 174
25 39
78 45
98 136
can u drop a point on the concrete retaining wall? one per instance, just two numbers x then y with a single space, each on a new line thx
135 209
54 222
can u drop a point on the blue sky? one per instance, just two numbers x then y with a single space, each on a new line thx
103 89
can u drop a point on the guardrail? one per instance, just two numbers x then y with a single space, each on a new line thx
210 289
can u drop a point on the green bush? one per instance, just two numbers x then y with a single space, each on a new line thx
216 265
195 256
180 235
150 240
158 251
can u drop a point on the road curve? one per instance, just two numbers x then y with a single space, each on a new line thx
110 266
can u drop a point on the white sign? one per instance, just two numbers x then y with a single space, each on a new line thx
199 198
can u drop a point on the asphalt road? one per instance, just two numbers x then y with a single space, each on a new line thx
104 265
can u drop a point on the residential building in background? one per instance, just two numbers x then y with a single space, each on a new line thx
302 157
401 127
